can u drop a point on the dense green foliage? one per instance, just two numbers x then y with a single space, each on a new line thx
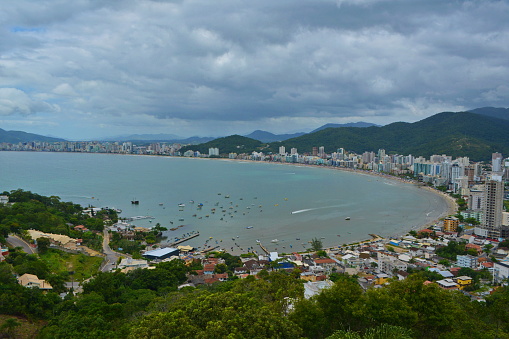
452 250
50 215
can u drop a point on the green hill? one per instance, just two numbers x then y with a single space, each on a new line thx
495 112
456 134
232 143
14 137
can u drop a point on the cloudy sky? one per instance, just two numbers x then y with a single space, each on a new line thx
86 69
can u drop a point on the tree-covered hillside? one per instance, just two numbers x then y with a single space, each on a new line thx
19 136
233 143
456 134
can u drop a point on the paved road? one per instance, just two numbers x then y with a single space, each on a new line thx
16 241
110 261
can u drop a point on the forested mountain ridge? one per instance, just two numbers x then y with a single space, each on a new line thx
232 143
495 112
19 136
456 134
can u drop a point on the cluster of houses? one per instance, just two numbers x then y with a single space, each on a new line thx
374 263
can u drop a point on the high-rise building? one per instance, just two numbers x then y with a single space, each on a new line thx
282 150
293 151
315 151
321 152
493 205
451 224
213 151
496 162
381 154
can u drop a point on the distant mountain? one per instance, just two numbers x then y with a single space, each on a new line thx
265 136
19 136
150 137
191 140
233 143
350 124
457 134
501 113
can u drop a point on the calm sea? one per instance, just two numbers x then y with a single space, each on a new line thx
292 204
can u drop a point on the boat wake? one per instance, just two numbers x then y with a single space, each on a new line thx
313 209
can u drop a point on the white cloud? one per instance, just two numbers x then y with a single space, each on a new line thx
14 101
244 65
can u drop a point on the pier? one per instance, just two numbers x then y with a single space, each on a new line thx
263 248
182 240
209 249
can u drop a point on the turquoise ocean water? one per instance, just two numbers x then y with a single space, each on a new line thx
297 203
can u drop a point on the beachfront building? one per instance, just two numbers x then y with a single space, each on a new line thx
451 224
214 151
493 206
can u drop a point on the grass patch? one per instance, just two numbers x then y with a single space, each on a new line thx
26 329
82 265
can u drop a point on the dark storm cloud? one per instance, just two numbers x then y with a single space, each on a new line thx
279 62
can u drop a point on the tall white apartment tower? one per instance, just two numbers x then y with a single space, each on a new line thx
496 162
321 151
282 150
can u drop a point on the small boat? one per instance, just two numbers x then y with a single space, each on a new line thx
182 205
218 193
191 201
135 202
339 235
249 227
181 219
258 241
347 218
226 196
160 204
274 240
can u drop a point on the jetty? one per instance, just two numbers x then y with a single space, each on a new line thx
263 248
173 244
209 249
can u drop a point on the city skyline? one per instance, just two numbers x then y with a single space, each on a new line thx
87 70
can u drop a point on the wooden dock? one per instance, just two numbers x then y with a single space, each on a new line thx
209 249
263 248
182 240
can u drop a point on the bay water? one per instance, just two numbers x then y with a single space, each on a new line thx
253 201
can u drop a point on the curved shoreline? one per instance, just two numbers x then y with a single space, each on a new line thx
451 203
446 205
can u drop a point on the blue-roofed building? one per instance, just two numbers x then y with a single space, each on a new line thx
161 253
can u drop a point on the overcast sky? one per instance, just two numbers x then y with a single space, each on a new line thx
86 69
